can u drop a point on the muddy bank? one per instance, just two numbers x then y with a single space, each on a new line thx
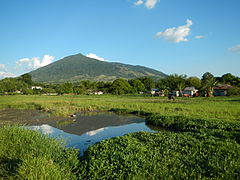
28 117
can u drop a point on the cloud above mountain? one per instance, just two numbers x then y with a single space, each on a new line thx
34 62
4 74
94 56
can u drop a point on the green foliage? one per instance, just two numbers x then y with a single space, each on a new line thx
234 91
27 154
78 90
137 85
230 79
193 82
162 84
147 82
208 81
48 90
176 82
12 85
162 156
203 144
27 78
120 86
217 128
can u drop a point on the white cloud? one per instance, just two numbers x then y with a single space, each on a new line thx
35 62
235 48
139 2
45 129
92 133
6 74
151 3
176 34
199 37
148 3
94 56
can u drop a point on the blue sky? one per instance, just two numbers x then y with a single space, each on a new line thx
173 36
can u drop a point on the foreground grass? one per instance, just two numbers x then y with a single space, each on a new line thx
28 154
162 156
204 142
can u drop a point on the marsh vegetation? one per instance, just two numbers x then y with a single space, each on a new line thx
203 141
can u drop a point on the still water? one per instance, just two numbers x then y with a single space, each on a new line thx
89 128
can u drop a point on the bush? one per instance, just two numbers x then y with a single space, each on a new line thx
234 91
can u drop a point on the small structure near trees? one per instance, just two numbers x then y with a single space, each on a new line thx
190 92
221 90
36 87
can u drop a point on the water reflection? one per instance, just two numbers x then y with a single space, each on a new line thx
89 129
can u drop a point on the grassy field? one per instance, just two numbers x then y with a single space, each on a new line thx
224 108
203 141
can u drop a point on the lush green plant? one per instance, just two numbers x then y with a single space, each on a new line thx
162 156
234 91
28 154
216 128
204 143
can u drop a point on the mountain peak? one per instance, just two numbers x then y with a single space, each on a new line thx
80 67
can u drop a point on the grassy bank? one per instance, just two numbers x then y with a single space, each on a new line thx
204 141
162 156
27 154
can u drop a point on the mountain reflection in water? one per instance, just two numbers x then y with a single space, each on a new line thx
90 128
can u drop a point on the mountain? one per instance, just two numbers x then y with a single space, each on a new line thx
79 67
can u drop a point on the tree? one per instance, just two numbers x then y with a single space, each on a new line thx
120 86
78 90
147 82
67 88
64 88
208 81
137 85
48 90
193 82
27 78
234 91
229 79
162 84
176 82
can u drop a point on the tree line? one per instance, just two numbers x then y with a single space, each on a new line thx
23 84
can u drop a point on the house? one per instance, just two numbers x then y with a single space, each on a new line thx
175 93
98 92
221 90
190 91
156 92
36 87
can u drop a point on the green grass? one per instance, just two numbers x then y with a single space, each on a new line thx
223 108
28 154
162 156
203 141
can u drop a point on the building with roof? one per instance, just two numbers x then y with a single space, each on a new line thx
221 90
190 91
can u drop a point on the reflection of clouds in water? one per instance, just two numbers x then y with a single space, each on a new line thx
45 129
92 133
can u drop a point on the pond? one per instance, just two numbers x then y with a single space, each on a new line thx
89 128
86 129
